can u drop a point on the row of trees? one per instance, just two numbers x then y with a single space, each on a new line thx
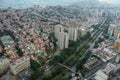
37 72
56 74
86 36
80 64
63 56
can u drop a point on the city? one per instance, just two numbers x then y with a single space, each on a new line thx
59 40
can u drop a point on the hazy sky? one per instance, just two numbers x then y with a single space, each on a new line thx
27 3
111 1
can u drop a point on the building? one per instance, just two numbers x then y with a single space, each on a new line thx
20 65
4 63
111 29
109 68
9 48
114 31
6 40
73 33
116 45
11 52
62 37
91 63
118 58
1 49
81 31
100 75
58 28
63 40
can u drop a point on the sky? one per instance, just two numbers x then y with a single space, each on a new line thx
27 3
111 1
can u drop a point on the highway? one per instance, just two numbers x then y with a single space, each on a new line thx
91 43
92 73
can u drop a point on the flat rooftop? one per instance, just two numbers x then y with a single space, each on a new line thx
19 60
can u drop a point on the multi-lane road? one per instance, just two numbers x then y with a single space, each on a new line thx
91 43
92 73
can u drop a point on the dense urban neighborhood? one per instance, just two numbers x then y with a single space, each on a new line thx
80 41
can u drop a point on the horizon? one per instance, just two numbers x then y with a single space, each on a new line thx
43 3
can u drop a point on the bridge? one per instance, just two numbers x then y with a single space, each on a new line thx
80 75
66 67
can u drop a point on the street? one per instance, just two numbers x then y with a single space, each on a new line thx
91 43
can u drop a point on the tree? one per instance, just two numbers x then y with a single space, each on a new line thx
96 44
28 33
32 40
19 51
58 77
100 40
58 70
47 77
58 58
68 51
79 65
74 44
48 49
2 53
41 59
81 62
106 36
37 73
68 78
34 65
53 39
86 36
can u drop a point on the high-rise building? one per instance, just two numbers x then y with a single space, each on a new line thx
62 37
73 33
58 28
116 45
114 31
66 40
63 40
20 65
